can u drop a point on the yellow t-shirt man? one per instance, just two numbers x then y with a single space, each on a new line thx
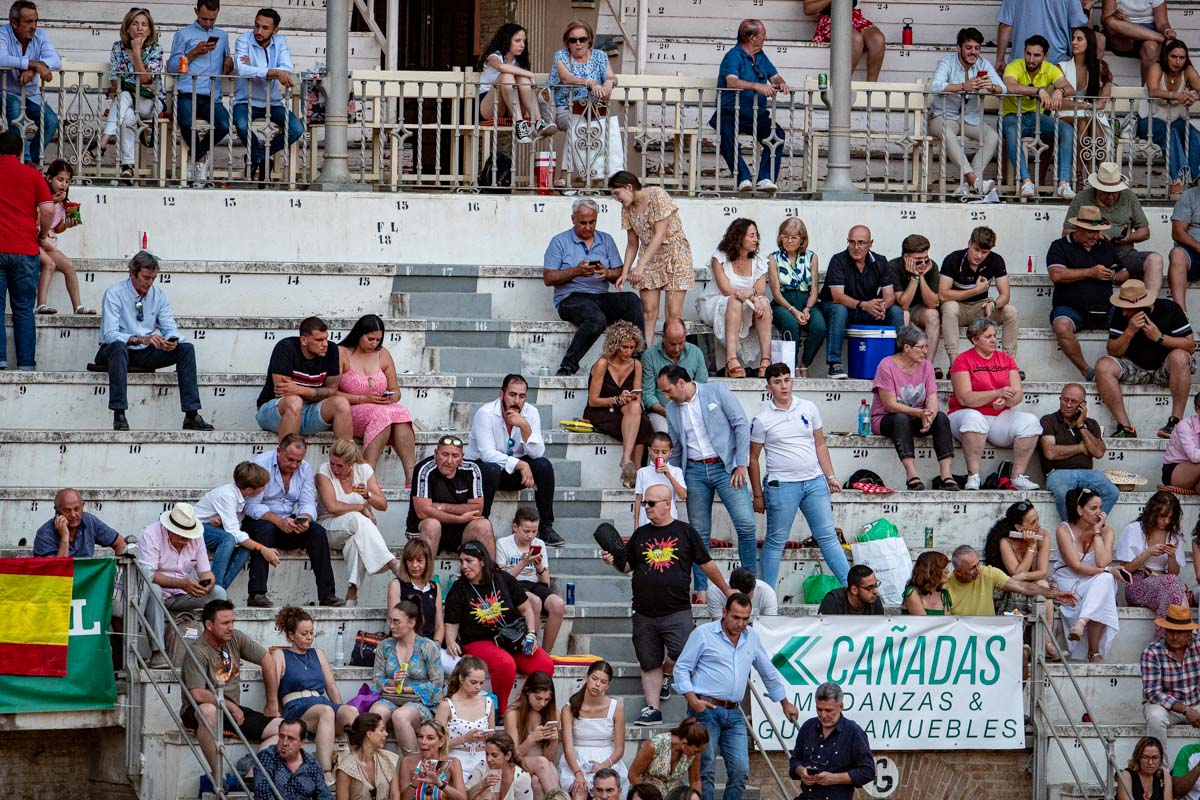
1044 78
974 599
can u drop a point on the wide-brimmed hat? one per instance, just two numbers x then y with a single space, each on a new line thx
181 521
1131 294
1177 618
1108 178
1090 219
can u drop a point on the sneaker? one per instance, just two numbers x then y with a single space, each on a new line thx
1064 191
1021 483
984 186
551 537
649 716
200 175
1028 189
767 185
1165 431
1124 433
836 372
973 482
159 661
746 185
543 128
664 693
522 131
963 191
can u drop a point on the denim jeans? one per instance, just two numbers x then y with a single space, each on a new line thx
811 498
206 108
242 115
42 116
119 358
1180 152
838 318
1061 481
726 729
1029 124
758 124
19 279
703 481
228 559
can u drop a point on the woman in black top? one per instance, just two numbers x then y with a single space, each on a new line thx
1145 778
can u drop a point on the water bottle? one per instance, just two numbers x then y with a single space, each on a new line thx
864 419
339 649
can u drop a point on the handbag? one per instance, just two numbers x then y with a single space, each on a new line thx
509 636
365 698
365 642
496 175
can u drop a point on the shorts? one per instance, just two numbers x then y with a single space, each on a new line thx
1133 375
1168 470
422 710
1134 262
536 588
452 537
268 418
1193 261
659 639
253 722
825 24
1082 322
1000 429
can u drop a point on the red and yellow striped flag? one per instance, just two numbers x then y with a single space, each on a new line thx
35 615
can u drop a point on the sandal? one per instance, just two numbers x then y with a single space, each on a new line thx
45 309
915 484
763 363
628 474
945 484
734 372
801 372
82 309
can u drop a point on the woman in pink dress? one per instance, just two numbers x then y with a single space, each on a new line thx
368 381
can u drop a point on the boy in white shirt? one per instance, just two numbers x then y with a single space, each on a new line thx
658 472
524 556
221 512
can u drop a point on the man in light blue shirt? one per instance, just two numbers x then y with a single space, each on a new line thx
1054 19
206 48
138 329
27 59
712 672
580 263
970 76
263 64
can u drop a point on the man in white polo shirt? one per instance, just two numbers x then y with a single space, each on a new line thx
799 475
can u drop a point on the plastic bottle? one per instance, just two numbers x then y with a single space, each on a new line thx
183 65
339 650
864 419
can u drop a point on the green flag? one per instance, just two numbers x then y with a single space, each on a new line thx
89 682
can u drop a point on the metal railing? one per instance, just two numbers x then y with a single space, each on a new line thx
427 130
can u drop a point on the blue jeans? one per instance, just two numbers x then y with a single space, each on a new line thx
703 481
242 115
206 108
228 559
118 358
1179 149
18 279
1029 124
41 115
758 123
726 729
1061 481
811 497
838 318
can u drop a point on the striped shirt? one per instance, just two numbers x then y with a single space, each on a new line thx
430 483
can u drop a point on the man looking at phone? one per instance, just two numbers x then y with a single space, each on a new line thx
580 263
137 329
170 552
1149 341
206 48
1069 445
832 756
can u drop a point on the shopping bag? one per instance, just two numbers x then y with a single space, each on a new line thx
783 351
891 563
817 586
594 149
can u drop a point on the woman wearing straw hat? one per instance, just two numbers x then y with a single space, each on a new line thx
1149 341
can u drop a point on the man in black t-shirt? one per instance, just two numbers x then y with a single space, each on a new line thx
446 509
300 394
915 282
857 290
1081 266
963 287
660 556
860 595
1149 341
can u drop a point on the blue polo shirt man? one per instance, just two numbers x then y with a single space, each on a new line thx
747 69
580 263
206 48
73 532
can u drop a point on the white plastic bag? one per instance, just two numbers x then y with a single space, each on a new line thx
891 562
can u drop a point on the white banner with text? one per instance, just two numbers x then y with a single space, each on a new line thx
912 683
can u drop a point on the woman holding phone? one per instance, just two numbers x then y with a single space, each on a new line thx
431 773
1152 550
614 405
532 722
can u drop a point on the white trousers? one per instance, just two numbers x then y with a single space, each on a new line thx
123 117
361 544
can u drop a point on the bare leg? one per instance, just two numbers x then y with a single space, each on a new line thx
404 726
64 265
524 91
1177 276
319 720
652 680
876 46
431 531
733 328
762 326
675 298
555 607
336 411
404 444
1023 449
1178 363
1107 371
650 313
289 408
1064 331
910 468
1153 274
544 772
857 45
631 422
535 604
374 449
44 278
1186 475
931 323
944 468
481 531
1095 631
208 723
972 446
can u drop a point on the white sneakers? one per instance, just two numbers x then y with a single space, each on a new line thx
973 482
746 185
984 186
1022 483
1064 191
767 185
1028 189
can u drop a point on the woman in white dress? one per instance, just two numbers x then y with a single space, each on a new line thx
739 273
1085 549
593 733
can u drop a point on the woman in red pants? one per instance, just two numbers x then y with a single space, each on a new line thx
489 616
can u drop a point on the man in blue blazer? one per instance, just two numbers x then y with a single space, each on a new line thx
711 443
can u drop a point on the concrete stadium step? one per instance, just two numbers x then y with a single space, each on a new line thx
238 14
443 304
221 289
1125 736
1112 691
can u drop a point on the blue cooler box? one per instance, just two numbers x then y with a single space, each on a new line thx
869 344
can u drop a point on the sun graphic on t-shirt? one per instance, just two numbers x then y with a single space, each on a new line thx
488 610
660 553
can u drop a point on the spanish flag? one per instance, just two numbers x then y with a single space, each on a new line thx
35 615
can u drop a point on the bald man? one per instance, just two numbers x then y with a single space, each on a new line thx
672 349
857 290
73 532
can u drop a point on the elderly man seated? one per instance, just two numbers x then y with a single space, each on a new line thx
73 532
1170 664
971 586
580 263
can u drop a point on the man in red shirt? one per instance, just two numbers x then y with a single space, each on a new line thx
26 215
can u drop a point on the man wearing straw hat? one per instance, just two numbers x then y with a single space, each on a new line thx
1171 674
1108 190
1081 266
1149 341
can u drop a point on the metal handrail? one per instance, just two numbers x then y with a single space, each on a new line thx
784 790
